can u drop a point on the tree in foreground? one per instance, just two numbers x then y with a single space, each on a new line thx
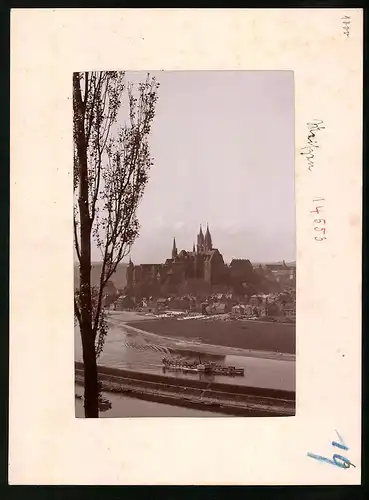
111 165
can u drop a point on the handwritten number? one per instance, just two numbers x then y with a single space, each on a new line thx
346 22
345 464
320 458
338 460
341 443
338 445
319 221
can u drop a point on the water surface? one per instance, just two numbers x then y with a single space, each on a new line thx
130 349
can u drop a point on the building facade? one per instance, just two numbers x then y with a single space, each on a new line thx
202 268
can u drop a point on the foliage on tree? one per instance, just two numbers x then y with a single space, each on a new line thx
111 166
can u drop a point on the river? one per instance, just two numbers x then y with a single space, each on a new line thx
131 349
123 406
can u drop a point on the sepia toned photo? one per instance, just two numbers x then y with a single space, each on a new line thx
196 200
184 244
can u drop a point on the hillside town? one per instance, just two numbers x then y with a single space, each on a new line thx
199 284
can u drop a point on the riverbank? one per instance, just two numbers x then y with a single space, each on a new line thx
182 335
196 394
129 407
246 335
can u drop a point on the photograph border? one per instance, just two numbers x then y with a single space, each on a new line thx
325 425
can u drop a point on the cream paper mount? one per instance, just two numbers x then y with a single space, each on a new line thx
48 445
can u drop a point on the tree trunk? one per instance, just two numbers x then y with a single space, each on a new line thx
90 374
87 333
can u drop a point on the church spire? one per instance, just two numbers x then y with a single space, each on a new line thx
200 241
207 240
130 273
174 249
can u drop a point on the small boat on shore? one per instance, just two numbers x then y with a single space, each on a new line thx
201 367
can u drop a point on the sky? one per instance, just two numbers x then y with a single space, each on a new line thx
223 150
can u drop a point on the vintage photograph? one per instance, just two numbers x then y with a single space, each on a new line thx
184 244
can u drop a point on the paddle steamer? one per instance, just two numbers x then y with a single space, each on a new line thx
201 367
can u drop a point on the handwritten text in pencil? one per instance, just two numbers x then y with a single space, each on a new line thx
346 24
312 144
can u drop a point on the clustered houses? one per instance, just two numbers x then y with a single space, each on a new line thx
200 282
270 307
282 305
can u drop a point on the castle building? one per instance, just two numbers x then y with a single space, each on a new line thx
203 265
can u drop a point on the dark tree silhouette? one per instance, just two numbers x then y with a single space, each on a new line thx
111 165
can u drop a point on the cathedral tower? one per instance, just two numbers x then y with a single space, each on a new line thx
129 273
200 241
174 250
207 240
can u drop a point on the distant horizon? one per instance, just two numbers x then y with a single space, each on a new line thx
126 262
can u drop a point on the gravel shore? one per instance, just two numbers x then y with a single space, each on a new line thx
272 337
